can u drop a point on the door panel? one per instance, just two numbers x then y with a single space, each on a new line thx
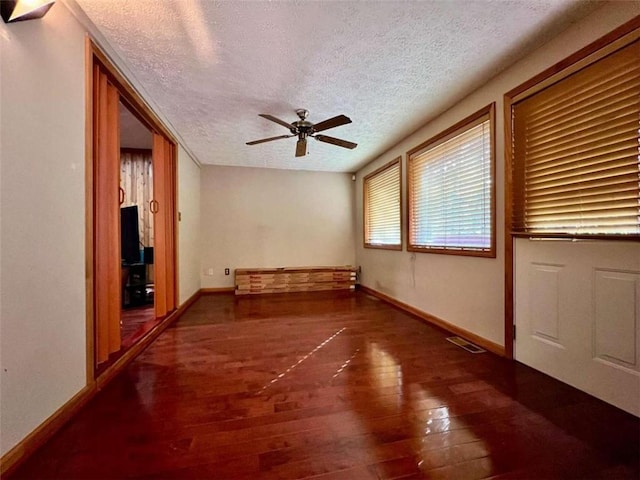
544 313
159 226
616 305
171 203
107 279
164 193
577 311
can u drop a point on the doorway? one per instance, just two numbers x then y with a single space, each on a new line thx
133 210
572 204
136 228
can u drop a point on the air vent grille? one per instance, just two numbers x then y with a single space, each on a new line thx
468 346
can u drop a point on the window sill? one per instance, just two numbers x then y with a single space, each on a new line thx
454 251
568 237
383 247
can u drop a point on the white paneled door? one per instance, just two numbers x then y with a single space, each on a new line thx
577 315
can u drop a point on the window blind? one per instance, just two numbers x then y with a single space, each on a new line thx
450 192
576 152
382 224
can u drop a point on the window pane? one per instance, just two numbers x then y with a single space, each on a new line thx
382 207
451 192
576 151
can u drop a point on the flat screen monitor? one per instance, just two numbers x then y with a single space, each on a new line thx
129 235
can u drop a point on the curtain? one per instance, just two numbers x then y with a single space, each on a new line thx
136 180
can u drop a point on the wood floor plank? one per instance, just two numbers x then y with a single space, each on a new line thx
332 386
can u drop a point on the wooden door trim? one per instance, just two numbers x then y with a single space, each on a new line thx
89 230
508 238
130 96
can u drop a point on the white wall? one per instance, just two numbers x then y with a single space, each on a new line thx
189 226
254 217
467 291
42 212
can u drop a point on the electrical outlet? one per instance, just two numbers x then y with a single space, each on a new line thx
226 271
210 271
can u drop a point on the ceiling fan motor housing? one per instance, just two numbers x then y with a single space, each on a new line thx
302 127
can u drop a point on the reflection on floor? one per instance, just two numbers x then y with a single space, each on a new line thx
135 323
332 386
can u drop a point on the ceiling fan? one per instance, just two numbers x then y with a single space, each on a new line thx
304 129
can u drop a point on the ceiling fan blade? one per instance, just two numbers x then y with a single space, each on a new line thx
331 123
255 142
336 141
277 120
301 147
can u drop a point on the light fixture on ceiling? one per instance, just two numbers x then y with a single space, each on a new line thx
19 10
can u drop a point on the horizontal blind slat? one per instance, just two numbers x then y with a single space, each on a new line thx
576 151
578 142
449 192
382 207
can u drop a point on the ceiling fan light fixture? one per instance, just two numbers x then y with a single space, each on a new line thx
301 147
20 10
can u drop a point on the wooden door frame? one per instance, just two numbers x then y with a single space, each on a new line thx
135 103
565 67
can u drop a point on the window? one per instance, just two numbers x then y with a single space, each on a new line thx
576 151
382 223
451 189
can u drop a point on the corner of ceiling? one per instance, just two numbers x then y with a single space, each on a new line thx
123 66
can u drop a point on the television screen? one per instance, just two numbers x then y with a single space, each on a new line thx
129 235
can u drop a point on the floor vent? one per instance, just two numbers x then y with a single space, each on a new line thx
468 346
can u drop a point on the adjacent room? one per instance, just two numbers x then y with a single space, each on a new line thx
320 239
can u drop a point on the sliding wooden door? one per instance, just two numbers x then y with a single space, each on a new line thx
163 209
109 90
106 168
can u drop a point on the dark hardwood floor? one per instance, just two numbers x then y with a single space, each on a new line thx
332 386
135 323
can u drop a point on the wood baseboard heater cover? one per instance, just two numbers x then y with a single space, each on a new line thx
294 279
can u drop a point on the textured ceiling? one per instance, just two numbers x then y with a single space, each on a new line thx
212 67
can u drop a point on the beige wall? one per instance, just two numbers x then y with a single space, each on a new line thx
42 300
189 225
42 221
468 291
254 217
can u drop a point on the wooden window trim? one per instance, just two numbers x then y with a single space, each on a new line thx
465 124
391 164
